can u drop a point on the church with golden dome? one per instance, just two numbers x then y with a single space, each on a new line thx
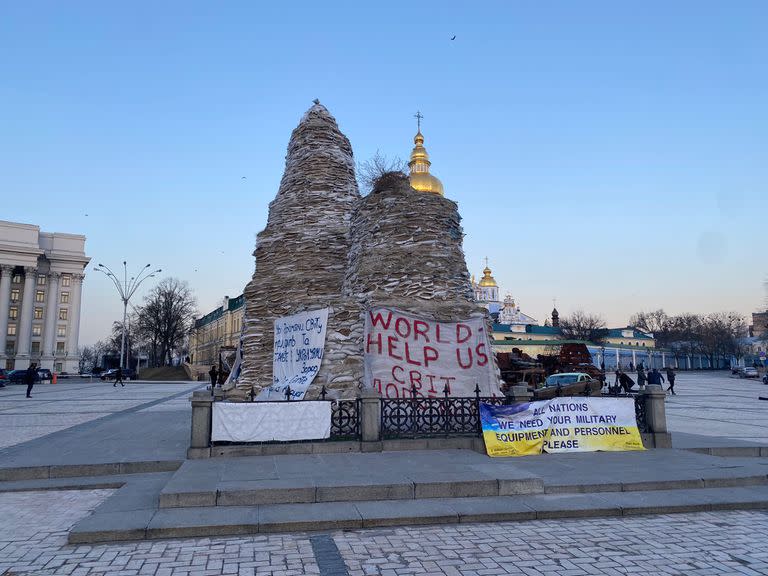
421 179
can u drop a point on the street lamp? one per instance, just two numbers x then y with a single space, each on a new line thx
126 288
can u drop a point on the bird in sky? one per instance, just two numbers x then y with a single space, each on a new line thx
243 178
454 37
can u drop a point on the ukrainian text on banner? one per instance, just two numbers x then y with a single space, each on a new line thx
404 351
270 421
569 424
298 352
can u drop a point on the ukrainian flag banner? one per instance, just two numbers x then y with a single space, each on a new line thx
572 424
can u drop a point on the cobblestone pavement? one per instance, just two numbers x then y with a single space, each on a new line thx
55 407
35 524
717 405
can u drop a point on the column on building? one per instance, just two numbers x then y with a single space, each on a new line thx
6 272
49 332
24 338
74 323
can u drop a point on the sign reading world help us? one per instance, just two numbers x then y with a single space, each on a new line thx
570 424
404 352
298 352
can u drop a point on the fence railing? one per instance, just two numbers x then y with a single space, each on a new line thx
429 417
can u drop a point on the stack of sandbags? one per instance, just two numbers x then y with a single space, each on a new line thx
301 255
406 252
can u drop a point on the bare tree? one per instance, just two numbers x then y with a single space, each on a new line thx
86 358
371 170
165 317
657 323
583 326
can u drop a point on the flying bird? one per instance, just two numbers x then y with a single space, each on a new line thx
243 178
454 37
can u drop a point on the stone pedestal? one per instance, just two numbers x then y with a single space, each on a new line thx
370 421
656 416
200 436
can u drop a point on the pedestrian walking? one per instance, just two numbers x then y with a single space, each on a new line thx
671 380
213 373
655 377
29 378
119 378
641 378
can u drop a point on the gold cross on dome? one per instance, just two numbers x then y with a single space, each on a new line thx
486 261
418 117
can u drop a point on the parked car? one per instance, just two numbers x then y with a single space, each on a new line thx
44 374
3 377
111 374
567 378
749 372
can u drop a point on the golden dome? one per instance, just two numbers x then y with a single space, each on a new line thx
487 279
421 179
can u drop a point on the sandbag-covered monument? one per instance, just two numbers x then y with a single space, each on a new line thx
382 277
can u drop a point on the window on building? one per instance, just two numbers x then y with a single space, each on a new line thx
64 298
62 314
35 347
40 296
37 329
59 367
11 330
59 347
10 347
15 295
65 280
13 312
41 280
16 279
61 331
38 313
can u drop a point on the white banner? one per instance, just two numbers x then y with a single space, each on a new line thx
404 351
298 352
269 421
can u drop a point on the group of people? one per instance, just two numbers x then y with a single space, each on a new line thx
624 381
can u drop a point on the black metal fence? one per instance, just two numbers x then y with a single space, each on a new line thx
422 417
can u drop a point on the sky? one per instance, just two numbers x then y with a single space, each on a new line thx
610 155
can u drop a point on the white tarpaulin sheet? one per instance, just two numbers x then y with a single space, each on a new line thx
404 352
268 421
298 352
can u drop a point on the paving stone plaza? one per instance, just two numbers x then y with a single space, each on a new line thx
80 422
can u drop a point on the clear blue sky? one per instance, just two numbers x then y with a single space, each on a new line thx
611 154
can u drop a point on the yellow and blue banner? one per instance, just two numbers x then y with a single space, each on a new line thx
570 424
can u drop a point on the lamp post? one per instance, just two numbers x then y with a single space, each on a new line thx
126 288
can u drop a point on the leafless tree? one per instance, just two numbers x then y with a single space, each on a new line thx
657 323
371 170
164 319
583 326
86 358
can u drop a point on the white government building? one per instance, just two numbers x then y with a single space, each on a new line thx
41 279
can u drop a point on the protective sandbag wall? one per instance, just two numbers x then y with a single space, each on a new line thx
301 255
406 252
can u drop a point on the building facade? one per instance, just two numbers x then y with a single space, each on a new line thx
217 330
41 280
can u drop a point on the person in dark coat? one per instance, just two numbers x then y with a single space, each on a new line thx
30 377
671 380
641 378
213 373
119 377
655 377
626 382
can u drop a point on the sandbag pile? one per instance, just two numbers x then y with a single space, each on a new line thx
301 255
325 246
406 252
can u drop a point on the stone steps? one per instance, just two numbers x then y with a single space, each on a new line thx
186 492
139 524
